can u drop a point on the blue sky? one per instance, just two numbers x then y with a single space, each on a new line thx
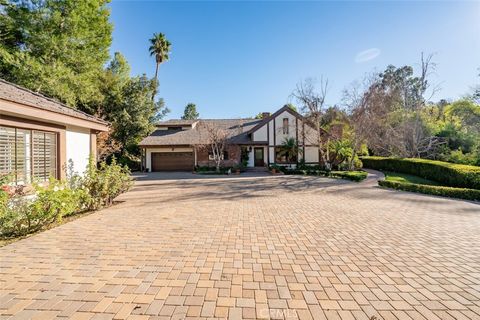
235 59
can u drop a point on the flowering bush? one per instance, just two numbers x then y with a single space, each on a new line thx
22 212
25 213
55 201
104 183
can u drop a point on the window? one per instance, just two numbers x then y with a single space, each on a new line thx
285 125
27 154
211 157
44 155
284 157
174 128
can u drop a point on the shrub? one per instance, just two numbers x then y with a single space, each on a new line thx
460 193
212 170
276 167
450 174
15 219
348 175
104 183
22 214
55 201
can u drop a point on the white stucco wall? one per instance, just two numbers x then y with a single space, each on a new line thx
78 147
271 154
251 158
149 151
260 134
270 132
279 136
311 154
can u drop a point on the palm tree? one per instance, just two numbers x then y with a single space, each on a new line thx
290 149
160 48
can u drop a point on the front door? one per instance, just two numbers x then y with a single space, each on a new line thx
258 157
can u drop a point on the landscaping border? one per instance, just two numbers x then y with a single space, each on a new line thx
459 193
356 176
450 174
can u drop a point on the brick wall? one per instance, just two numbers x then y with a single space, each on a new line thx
233 151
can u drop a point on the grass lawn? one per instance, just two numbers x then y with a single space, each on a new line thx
408 178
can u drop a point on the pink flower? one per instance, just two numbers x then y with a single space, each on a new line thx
9 190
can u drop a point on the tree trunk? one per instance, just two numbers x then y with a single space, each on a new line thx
156 82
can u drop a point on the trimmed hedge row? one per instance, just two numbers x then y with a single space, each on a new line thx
349 175
460 193
450 174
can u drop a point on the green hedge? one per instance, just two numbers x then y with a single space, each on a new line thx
460 193
450 174
349 175
212 170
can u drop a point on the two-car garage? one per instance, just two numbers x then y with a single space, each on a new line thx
170 159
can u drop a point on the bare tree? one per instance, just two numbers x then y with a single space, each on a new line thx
216 139
356 98
419 142
312 105
387 111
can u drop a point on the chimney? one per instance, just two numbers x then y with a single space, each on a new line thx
265 115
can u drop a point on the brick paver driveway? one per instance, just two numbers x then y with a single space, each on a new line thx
254 247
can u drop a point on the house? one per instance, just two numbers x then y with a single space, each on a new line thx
39 136
179 145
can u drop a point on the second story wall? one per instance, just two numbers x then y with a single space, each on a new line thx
261 134
285 127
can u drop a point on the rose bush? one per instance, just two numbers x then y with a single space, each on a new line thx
23 211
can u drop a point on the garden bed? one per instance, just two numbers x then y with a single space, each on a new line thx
72 217
27 210
445 173
450 192
428 177
356 176
213 170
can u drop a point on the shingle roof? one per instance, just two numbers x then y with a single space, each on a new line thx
15 93
177 122
237 128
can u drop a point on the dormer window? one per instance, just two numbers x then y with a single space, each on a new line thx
285 125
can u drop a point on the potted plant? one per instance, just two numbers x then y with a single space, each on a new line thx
274 168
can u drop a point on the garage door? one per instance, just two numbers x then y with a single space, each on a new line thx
172 161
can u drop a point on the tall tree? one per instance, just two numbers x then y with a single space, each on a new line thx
217 140
392 106
160 49
312 105
128 105
190 112
476 91
56 47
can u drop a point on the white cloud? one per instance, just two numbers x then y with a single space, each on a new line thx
367 55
